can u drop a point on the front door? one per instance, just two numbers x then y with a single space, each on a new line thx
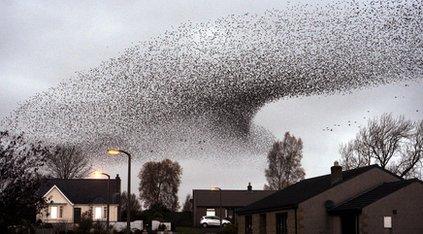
349 224
262 224
76 215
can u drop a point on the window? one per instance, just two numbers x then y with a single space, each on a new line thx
281 225
97 212
248 224
53 212
229 214
61 212
262 224
210 212
105 212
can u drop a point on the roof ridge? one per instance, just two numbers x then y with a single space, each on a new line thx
354 169
87 179
238 190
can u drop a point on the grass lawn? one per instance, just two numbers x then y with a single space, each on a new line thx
192 230
188 230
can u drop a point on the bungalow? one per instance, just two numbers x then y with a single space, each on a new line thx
207 202
363 200
69 199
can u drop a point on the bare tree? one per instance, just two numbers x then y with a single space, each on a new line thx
410 163
135 206
394 143
68 162
284 163
187 207
159 183
20 161
354 155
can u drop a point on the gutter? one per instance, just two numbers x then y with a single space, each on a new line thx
265 210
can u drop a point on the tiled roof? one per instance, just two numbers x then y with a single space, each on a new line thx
230 198
84 191
299 192
363 200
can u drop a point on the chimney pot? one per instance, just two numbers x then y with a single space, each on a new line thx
117 183
336 173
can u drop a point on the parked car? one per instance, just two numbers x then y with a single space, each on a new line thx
210 221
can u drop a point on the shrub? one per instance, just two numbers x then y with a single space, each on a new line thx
162 227
86 223
230 229
100 228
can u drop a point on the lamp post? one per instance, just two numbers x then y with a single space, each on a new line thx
108 197
220 206
114 152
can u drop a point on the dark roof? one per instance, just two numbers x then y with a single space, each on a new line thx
84 191
230 198
291 196
363 200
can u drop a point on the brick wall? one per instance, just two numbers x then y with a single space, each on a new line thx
312 212
312 216
270 222
241 224
408 203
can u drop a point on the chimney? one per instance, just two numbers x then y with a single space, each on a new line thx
117 183
249 187
335 173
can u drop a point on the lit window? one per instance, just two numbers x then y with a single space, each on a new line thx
53 212
97 212
210 212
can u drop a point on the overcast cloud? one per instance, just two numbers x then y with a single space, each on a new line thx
43 43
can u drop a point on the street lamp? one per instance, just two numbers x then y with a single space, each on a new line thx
98 173
220 206
115 152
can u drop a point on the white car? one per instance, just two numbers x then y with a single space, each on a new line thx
210 221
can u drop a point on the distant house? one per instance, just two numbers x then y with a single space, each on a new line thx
207 202
364 200
69 199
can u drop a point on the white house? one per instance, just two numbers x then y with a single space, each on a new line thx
69 199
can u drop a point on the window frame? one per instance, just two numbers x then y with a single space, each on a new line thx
281 227
104 212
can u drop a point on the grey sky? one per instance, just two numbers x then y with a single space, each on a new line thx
43 43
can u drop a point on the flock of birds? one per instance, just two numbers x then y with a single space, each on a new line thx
360 122
198 87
